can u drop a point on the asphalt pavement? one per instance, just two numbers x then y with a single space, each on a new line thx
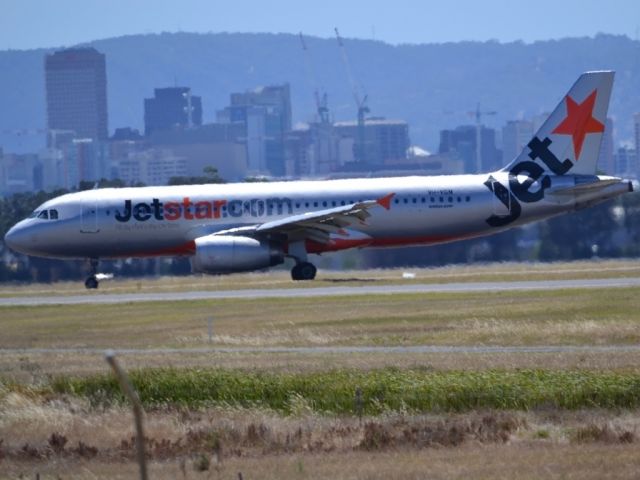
92 297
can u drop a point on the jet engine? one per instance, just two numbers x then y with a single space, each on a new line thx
228 254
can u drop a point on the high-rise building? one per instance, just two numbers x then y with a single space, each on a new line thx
266 114
464 141
516 134
153 166
385 141
218 145
170 108
625 163
19 173
76 89
636 131
605 157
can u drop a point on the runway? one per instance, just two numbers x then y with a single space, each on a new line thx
551 349
343 290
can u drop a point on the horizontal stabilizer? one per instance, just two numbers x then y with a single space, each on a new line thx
597 184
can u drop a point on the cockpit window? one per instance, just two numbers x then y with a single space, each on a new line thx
53 214
44 214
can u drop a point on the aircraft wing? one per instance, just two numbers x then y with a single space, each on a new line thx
316 226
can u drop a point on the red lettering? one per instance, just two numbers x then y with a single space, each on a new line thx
204 210
186 203
171 211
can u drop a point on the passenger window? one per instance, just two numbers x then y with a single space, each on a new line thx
44 214
53 214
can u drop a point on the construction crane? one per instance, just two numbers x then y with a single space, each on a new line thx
361 103
478 114
321 100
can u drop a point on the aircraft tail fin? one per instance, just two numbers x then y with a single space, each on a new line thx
569 140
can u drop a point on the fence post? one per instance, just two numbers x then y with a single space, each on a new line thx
358 403
132 395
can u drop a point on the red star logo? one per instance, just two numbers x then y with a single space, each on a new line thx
579 121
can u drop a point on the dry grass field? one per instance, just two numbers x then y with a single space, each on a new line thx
60 435
65 438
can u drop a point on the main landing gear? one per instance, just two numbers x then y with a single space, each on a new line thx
92 281
304 271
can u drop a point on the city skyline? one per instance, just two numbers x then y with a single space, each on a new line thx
177 144
254 134
40 24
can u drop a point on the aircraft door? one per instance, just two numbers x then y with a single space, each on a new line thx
89 218
501 199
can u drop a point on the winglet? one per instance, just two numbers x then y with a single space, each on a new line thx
385 201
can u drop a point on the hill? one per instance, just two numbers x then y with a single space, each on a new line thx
432 86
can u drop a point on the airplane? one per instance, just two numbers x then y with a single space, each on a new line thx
237 227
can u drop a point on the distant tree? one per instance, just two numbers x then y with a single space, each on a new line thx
631 205
102 183
503 247
573 236
210 175
257 179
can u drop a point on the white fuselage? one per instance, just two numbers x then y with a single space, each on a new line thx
151 221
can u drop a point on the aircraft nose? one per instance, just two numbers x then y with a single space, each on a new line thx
16 238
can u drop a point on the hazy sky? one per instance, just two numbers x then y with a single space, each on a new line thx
28 24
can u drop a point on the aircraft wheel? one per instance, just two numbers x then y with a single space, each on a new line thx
91 283
303 271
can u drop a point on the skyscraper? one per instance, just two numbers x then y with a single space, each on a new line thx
636 132
266 113
515 136
463 140
605 158
170 108
76 89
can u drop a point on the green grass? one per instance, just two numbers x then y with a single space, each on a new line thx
333 392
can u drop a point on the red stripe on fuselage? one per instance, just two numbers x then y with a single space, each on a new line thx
189 248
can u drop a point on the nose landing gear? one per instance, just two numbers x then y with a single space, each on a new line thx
91 282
